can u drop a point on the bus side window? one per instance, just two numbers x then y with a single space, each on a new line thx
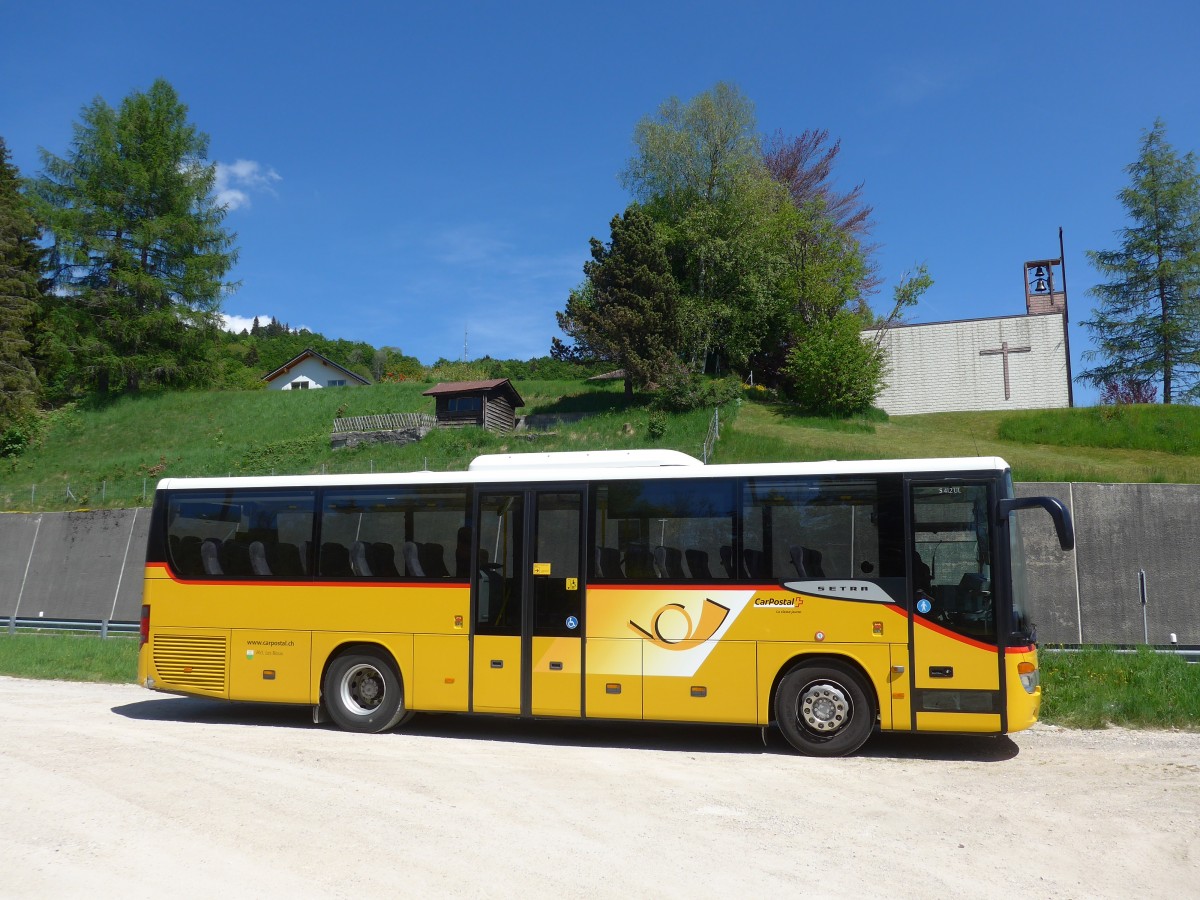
389 533
254 534
662 530
803 528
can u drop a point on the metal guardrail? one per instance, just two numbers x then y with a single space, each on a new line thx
103 627
1190 652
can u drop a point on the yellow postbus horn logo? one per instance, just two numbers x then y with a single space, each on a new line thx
668 635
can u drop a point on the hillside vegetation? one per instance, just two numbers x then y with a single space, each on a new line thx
111 456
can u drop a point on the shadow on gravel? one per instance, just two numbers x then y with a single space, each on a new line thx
216 712
626 735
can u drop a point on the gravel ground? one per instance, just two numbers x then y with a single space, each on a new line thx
110 790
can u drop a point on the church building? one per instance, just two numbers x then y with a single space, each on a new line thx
1002 362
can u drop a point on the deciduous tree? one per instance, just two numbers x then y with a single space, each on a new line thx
804 165
700 150
1147 323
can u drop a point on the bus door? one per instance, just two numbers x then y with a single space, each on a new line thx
527 602
956 664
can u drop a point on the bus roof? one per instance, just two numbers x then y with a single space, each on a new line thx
592 459
599 465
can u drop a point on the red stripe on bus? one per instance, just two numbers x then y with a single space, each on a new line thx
946 632
678 586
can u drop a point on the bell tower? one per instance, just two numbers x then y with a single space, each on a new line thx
1045 291
1046 294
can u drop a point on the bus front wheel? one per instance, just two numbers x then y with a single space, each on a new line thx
363 693
824 709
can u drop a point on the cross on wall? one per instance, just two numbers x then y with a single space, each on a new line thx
1003 351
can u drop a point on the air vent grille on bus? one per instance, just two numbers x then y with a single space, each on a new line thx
191 661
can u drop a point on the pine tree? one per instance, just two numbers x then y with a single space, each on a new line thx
628 312
1147 326
19 295
139 252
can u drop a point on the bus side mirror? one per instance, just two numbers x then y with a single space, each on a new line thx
1060 515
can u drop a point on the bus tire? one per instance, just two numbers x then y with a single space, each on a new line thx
363 693
825 709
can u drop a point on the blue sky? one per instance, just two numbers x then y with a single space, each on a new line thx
408 173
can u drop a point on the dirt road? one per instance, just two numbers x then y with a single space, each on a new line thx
114 791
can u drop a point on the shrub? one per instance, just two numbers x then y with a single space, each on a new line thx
1126 390
657 426
832 371
681 390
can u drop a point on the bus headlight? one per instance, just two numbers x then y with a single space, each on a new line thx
1029 676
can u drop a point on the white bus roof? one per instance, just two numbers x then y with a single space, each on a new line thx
591 459
597 466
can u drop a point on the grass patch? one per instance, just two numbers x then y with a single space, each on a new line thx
69 657
1170 429
112 455
772 433
1096 687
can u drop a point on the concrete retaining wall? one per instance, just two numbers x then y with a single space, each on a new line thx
88 565
73 565
1091 595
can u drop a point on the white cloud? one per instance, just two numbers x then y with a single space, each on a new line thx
236 181
235 324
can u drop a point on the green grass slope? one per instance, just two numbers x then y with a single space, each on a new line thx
112 456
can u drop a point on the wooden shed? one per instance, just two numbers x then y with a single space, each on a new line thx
492 404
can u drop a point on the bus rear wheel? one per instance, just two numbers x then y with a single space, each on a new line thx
363 693
824 709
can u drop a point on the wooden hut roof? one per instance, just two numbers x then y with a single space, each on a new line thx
476 387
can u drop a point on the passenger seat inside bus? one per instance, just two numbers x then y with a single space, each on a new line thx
462 553
639 563
210 556
807 561
433 560
697 563
754 562
235 558
668 561
185 555
412 561
383 555
258 559
727 561
335 560
608 559
360 562
285 559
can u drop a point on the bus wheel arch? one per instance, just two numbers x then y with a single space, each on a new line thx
824 705
362 689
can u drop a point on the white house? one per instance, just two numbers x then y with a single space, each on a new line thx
310 370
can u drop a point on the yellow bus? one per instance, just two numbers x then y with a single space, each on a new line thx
829 599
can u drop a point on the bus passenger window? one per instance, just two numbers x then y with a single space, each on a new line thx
803 528
662 530
392 533
239 534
